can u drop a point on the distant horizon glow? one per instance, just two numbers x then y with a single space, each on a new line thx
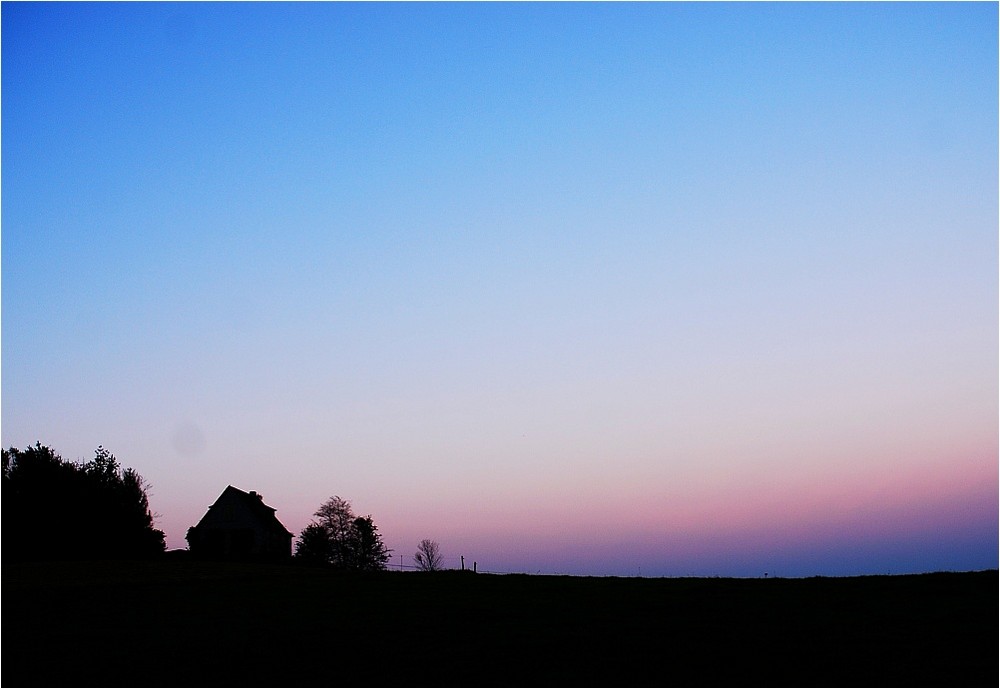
657 289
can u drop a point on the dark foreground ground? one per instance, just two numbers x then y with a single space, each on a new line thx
181 623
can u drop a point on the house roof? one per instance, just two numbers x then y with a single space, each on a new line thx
254 503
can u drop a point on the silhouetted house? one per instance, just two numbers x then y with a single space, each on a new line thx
240 526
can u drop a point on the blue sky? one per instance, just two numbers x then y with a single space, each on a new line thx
557 276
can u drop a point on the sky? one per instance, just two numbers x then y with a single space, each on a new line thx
631 289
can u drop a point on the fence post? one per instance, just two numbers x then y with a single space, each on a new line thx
463 563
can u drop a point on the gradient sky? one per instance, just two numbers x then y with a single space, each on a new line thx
601 288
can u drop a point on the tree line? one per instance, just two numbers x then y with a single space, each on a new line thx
340 539
58 509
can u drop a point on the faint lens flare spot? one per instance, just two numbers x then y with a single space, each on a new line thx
188 439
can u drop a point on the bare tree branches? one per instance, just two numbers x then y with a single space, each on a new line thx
428 556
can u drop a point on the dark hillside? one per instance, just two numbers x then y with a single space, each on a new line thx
179 623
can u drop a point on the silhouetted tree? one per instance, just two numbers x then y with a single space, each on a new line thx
138 525
341 539
314 545
55 509
192 538
428 556
368 552
336 517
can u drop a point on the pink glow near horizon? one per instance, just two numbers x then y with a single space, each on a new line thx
942 500
694 523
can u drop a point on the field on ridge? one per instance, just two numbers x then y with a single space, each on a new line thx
183 623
